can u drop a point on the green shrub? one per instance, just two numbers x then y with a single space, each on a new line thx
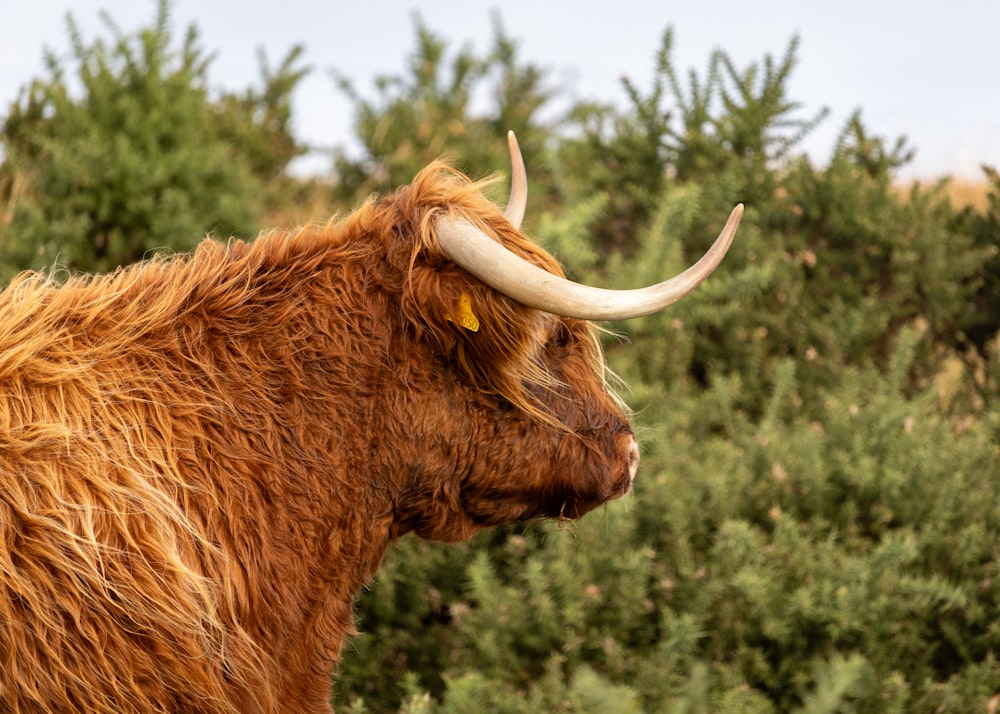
121 151
840 558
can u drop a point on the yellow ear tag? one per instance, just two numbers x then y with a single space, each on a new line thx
466 318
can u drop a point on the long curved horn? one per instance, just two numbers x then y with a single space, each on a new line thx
529 285
518 183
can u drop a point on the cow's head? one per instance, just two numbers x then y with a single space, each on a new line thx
503 410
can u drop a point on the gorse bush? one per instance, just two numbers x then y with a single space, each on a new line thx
426 114
796 561
129 154
816 521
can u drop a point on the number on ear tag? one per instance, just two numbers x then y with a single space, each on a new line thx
466 317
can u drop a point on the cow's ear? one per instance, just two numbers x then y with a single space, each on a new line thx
445 302
464 314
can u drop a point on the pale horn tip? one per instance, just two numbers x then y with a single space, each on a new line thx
729 231
518 201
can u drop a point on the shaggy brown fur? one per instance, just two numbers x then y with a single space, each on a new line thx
204 458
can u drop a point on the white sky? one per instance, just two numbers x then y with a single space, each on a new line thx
926 69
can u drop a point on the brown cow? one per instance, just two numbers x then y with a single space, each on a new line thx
204 458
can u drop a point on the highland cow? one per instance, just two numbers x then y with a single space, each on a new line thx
203 458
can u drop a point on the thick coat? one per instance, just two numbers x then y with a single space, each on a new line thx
203 458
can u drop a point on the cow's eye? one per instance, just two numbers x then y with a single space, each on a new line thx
503 407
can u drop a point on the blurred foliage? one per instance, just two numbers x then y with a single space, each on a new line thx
120 150
725 131
815 526
433 110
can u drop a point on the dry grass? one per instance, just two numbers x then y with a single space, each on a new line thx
297 202
960 192
964 193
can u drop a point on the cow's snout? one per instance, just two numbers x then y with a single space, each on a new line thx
633 460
